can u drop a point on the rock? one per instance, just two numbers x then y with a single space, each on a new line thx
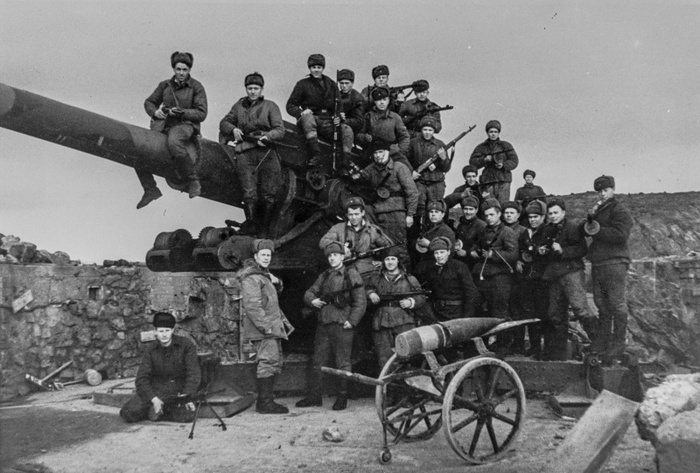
60 258
9 240
23 251
42 256
678 443
677 394
333 434
9 259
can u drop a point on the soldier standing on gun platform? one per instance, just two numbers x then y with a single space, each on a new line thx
414 110
498 158
352 109
610 256
468 227
381 124
434 228
258 164
565 250
169 369
431 183
392 317
453 293
529 192
396 195
471 187
337 319
312 103
263 323
380 75
177 107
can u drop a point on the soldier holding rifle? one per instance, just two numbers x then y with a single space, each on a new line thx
339 295
394 293
414 110
169 370
498 158
252 125
380 75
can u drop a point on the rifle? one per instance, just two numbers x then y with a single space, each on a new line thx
336 128
449 145
399 296
269 143
429 110
369 253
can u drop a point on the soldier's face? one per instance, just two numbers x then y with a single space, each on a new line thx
535 220
441 256
254 91
382 104
391 263
492 216
182 71
436 216
381 80
556 214
529 179
164 335
345 86
335 260
422 96
263 258
427 132
606 193
381 156
316 71
511 215
493 133
471 178
355 216
469 212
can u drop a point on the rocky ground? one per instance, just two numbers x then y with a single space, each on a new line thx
65 432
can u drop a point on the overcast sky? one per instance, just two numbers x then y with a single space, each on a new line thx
581 88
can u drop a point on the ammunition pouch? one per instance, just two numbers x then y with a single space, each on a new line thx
383 193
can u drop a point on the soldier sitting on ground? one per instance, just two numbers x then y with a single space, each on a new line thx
176 107
167 378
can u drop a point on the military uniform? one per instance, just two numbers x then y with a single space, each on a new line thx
431 183
387 126
467 232
367 237
165 372
453 293
412 111
494 180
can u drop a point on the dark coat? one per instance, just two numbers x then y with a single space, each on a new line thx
573 245
420 150
403 193
353 105
314 94
412 111
451 282
386 316
191 99
467 232
167 371
386 126
498 150
530 240
529 192
262 315
349 306
610 244
504 242
260 118
369 237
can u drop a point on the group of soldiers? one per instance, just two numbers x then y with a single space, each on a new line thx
399 259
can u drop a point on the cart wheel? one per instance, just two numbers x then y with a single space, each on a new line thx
385 456
408 412
485 393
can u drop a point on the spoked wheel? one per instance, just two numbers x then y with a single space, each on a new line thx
483 410
409 408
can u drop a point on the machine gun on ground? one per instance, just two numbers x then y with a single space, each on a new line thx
449 145
197 399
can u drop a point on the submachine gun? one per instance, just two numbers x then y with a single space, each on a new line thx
369 253
449 145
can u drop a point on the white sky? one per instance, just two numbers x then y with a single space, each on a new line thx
582 89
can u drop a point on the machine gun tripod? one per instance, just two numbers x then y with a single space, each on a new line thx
199 399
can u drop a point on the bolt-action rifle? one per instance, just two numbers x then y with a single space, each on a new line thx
336 130
369 253
449 145
430 110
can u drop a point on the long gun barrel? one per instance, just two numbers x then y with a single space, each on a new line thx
369 253
449 145
399 296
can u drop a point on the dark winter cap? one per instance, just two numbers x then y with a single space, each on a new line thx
163 319
436 205
334 247
394 251
469 168
530 172
316 60
346 74
536 207
420 85
379 93
493 124
354 202
440 243
254 79
490 203
185 58
380 144
511 204
259 244
428 121
603 182
380 71
556 202
470 201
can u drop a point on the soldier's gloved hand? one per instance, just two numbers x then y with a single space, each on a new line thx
416 175
238 135
377 264
406 303
374 297
274 279
336 121
157 404
262 140
306 111
347 325
556 247
424 242
499 165
190 406
342 116
176 112
519 266
159 113
400 97
409 221
318 303
368 138
442 154
355 176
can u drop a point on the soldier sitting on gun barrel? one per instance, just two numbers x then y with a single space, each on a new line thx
168 374
177 107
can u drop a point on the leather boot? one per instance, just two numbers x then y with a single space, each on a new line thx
313 397
149 195
195 188
314 151
249 227
341 402
264 218
266 403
